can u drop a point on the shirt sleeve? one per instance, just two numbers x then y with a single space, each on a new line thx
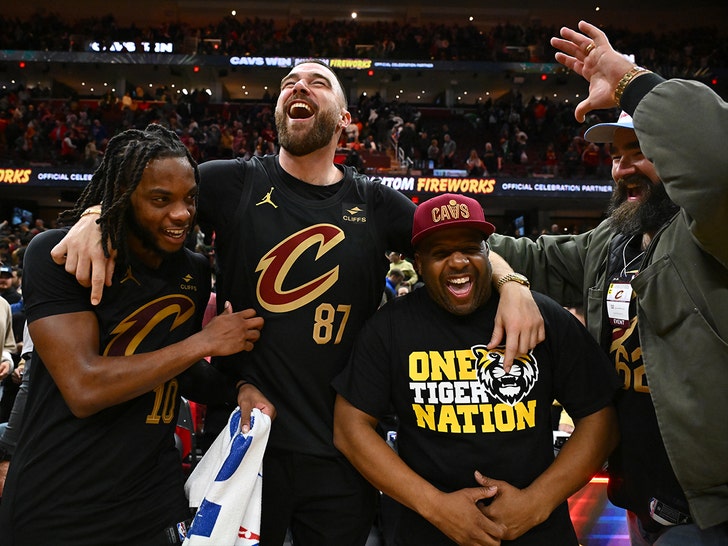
221 186
366 380
47 288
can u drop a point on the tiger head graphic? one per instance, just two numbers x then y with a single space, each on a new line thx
508 387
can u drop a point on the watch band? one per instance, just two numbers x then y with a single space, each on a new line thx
515 277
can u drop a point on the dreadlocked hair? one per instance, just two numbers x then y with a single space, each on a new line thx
127 155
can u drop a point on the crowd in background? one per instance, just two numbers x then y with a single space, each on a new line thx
514 135
684 52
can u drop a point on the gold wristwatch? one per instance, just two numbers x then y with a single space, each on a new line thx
515 277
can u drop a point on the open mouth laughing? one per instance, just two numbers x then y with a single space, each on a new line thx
459 286
299 109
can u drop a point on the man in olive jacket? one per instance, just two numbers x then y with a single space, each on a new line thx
653 281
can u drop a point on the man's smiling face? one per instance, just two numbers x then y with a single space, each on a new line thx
311 109
639 203
456 270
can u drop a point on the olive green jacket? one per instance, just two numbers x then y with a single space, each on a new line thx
682 289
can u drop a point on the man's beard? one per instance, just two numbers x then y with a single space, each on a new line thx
646 215
143 234
300 143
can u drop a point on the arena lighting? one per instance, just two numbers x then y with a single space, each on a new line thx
354 15
195 68
370 73
21 64
543 77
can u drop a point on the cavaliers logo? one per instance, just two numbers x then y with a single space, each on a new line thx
131 331
276 264
508 387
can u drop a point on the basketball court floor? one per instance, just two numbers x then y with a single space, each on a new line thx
596 520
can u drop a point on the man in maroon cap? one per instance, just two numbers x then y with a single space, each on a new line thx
462 416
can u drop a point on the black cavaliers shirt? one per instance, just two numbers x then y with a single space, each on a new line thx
313 266
639 468
114 477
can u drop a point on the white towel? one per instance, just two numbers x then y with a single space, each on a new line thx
226 486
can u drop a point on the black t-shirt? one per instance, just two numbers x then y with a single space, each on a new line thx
639 467
311 261
114 477
458 410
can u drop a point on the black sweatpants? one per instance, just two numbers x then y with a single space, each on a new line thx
324 501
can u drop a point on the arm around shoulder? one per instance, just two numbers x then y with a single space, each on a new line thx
83 255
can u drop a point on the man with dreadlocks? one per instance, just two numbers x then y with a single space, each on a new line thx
95 461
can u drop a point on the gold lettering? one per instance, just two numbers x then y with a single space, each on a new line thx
526 416
448 421
419 366
442 366
486 410
463 418
504 418
466 360
467 411
425 416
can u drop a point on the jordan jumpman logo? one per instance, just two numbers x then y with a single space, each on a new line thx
267 199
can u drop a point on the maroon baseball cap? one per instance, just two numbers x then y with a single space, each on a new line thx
447 211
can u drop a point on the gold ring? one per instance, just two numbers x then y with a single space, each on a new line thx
589 48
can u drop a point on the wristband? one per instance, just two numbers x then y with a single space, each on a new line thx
96 209
626 79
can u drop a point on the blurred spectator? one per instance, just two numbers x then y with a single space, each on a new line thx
405 267
475 165
490 159
433 153
8 287
572 161
393 280
92 156
551 161
449 147
591 158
